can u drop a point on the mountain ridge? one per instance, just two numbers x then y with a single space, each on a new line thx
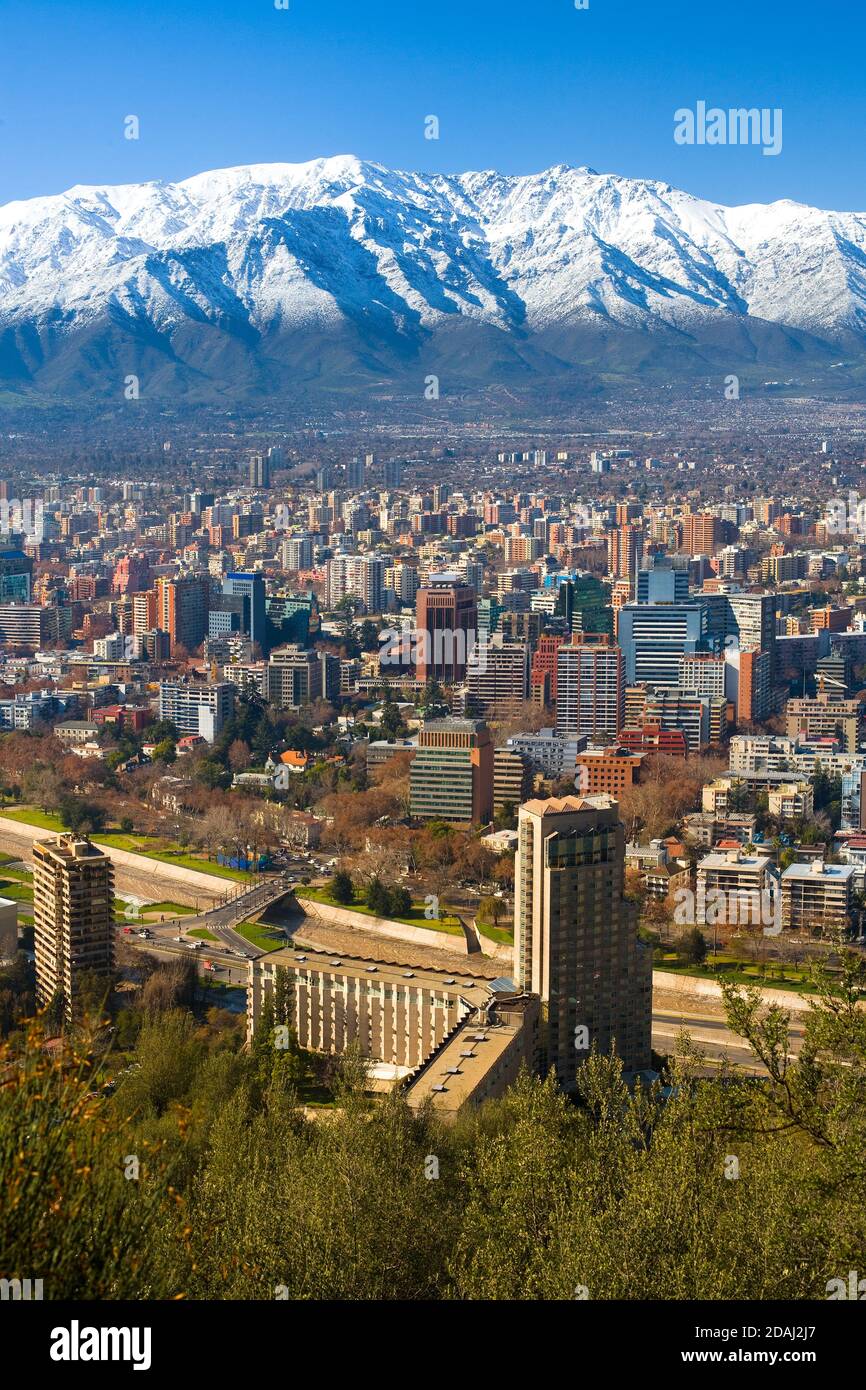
341 274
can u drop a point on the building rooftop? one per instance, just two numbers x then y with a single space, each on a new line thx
473 989
461 1064
70 847
735 858
819 872
554 806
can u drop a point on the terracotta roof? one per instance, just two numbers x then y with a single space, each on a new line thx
553 805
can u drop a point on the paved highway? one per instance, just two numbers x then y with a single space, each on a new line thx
220 922
712 1035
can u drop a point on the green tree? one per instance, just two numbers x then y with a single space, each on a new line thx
165 751
692 946
401 901
392 721
491 909
81 816
342 888
377 897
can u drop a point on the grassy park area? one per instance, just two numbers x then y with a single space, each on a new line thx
416 917
259 935
29 815
769 975
149 846
501 935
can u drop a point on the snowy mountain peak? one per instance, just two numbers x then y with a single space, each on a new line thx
382 259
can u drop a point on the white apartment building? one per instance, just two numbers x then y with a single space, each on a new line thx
361 577
196 709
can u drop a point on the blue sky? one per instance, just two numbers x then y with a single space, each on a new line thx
516 86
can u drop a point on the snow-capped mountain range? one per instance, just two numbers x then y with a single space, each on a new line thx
340 271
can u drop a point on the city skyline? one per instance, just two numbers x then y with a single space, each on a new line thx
432 672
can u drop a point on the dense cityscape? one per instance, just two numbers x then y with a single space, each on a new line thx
432 684
334 787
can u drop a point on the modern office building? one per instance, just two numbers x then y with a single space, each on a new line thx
835 671
73 917
583 602
16 574
295 676
251 589
292 616
659 582
751 618
29 625
451 777
590 686
356 472
497 673
854 799
260 471
447 621
228 615
576 942
654 637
